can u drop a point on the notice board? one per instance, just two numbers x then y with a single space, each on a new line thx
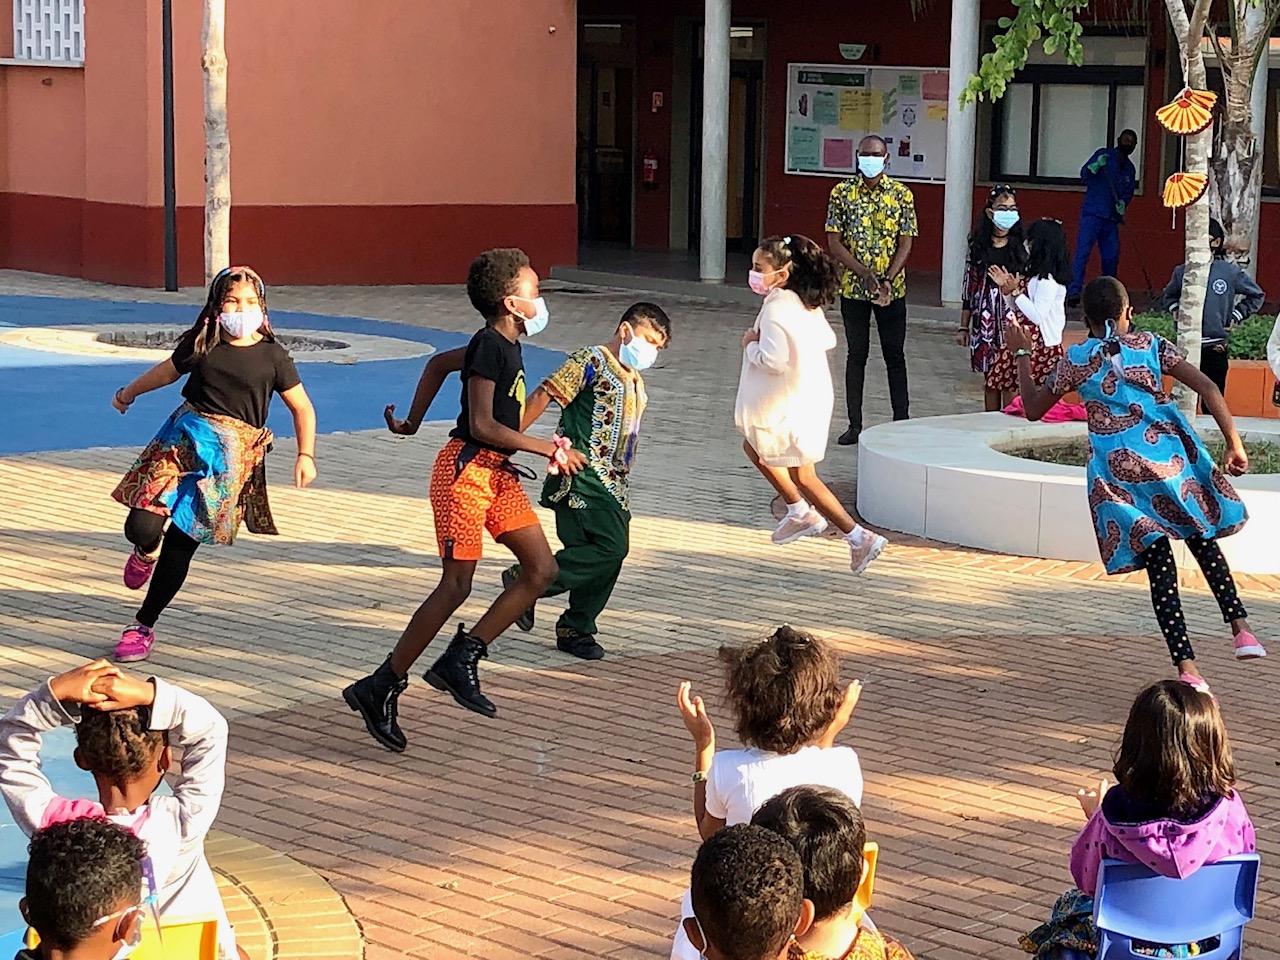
830 107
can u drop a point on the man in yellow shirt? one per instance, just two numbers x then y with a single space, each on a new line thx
871 221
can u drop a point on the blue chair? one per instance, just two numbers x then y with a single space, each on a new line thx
1135 903
12 942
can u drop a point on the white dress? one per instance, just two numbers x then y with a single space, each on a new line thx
785 396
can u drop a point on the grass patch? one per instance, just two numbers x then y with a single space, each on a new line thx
1264 456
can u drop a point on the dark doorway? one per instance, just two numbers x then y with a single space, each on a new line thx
605 121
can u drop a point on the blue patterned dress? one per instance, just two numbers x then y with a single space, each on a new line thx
1149 475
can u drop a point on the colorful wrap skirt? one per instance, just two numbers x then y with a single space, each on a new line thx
207 473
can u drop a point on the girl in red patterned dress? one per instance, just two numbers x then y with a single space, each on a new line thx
203 473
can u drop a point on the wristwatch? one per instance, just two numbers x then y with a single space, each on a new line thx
699 776
1021 353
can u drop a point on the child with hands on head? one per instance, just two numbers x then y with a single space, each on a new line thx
125 729
789 706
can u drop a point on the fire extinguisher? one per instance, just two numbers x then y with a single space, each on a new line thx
649 169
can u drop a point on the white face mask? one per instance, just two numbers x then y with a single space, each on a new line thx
638 353
871 167
242 323
536 323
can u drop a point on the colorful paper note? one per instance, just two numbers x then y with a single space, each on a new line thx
860 110
935 86
937 111
826 111
804 148
908 85
837 154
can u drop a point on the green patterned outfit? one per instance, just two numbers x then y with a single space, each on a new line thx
601 404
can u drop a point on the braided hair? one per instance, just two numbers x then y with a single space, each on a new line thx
207 331
117 744
813 278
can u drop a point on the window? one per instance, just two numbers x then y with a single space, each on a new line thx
1054 116
49 30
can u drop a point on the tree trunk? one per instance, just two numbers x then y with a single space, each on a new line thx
217 143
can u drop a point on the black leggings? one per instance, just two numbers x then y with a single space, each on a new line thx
145 530
1163 574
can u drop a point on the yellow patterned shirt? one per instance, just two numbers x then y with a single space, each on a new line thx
601 404
870 220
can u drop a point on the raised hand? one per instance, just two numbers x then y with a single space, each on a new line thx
78 685
694 714
1091 800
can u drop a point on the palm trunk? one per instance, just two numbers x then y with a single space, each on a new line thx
1190 32
217 144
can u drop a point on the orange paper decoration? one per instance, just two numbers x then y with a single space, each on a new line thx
1190 113
1184 189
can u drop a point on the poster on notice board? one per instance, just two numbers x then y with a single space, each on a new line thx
831 107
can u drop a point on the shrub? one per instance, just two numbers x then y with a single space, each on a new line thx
1248 340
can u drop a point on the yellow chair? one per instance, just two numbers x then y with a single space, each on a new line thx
189 940
870 853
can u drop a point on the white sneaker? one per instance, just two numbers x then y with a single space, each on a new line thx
792 528
865 550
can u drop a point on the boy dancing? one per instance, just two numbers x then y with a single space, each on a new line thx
601 397
474 487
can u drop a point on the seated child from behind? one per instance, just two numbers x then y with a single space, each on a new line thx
125 728
84 891
826 830
748 896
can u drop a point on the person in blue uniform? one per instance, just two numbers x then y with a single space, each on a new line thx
1110 179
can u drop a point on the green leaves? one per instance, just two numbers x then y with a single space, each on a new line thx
1052 20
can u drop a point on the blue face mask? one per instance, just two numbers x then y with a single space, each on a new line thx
538 322
1005 219
871 167
638 353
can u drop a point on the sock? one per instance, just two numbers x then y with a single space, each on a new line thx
797 510
856 535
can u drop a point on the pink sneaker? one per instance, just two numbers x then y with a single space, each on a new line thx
1200 684
135 644
1248 647
792 529
137 570
865 550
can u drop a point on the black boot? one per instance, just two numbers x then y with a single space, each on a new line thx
581 645
525 620
455 672
376 699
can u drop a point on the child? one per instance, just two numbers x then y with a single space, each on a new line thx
474 487
748 897
996 241
1231 296
1040 299
125 731
83 895
825 828
602 399
1174 807
785 396
1150 478
204 470
786 694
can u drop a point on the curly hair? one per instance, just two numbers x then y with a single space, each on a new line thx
813 278
784 690
80 870
492 278
1175 753
117 744
747 888
206 330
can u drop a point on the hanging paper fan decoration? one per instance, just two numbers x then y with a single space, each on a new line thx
1184 189
1190 113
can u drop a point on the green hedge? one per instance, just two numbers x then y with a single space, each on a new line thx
1248 339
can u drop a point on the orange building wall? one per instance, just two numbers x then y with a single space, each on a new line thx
371 143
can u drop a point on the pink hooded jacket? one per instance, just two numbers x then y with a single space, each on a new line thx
1172 848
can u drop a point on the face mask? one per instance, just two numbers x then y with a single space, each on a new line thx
244 323
1004 219
871 167
638 353
756 281
538 322
1127 148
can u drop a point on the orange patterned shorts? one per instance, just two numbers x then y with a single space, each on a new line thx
472 490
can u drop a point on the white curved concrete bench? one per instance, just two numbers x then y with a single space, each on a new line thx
941 478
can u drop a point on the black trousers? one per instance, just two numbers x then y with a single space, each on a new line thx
1214 364
1162 573
145 530
891 325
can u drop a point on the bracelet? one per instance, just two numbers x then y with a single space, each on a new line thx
560 458
127 403
309 456
699 776
1018 354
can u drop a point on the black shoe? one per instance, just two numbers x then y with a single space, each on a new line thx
581 645
850 437
376 698
509 576
455 673
1073 301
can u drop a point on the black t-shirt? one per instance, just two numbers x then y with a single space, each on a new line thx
492 356
235 381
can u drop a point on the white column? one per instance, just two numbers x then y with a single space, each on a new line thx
715 139
1258 104
962 138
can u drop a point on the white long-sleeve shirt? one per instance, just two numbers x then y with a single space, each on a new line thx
173 828
1273 349
785 396
1045 305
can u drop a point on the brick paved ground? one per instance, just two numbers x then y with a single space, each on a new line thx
562 829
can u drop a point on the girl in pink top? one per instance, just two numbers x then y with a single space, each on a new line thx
1174 807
